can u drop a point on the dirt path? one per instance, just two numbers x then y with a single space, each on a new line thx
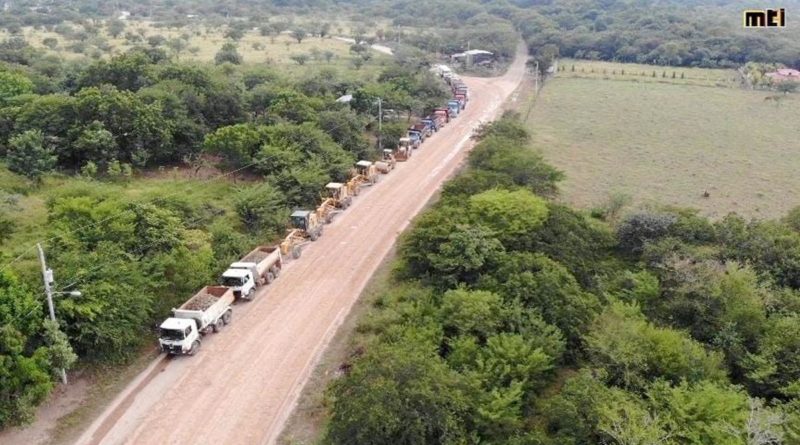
245 381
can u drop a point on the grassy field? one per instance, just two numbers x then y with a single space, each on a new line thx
203 42
669 142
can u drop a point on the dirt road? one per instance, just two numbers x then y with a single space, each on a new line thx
243 384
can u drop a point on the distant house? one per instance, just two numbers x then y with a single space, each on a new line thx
473 56
784 74
124 15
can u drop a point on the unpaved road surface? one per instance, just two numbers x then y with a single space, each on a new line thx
244 382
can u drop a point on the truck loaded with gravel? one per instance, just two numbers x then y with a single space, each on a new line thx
208 309
259 267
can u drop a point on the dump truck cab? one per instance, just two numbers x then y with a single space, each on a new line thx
443 113
431 123
242 278
416 138
178 336
454 108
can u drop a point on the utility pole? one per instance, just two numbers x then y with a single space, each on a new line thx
47 276
380 126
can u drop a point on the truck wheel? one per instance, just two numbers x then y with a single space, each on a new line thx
226 317
270 277
250 294
217 325
194 348
296 252
313 236
328 218
275 271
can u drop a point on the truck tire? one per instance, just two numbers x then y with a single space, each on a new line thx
250 295
313 236
270 277
275 271
217 326
296 252
194 348
226 317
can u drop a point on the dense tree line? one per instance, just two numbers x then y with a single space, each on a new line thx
135 257
514 319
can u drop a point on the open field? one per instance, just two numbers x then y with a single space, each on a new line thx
667 143
203 41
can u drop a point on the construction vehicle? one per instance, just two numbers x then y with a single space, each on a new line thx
422 129
454 106
432 122
415 137
443 113
257 268
462 100
387 162
339 197
403 150
363 174
305 226
208 309
366 172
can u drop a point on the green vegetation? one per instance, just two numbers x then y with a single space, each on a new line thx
512 319
668 141
117 165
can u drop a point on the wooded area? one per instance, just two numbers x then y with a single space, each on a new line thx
116 121
515 319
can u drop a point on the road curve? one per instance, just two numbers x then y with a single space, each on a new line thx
244 383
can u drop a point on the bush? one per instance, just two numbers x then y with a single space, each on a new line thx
640 228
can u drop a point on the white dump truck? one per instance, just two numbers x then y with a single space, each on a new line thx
208 309
257 268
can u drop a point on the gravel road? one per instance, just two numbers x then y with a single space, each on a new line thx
244 382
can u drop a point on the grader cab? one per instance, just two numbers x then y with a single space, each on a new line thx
365 173
305 226
387 162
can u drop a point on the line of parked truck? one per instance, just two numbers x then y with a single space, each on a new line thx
210 309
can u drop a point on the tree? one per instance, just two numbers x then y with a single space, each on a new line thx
115 27
234 33
177 45
300 59
156 40
510 215
299 34
401 396
29 156
634 352
50 42
228 54
476 313
96 144
640 228
13 84
787 87
237 144
261 209
24 372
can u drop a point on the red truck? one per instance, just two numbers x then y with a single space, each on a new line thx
444 113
